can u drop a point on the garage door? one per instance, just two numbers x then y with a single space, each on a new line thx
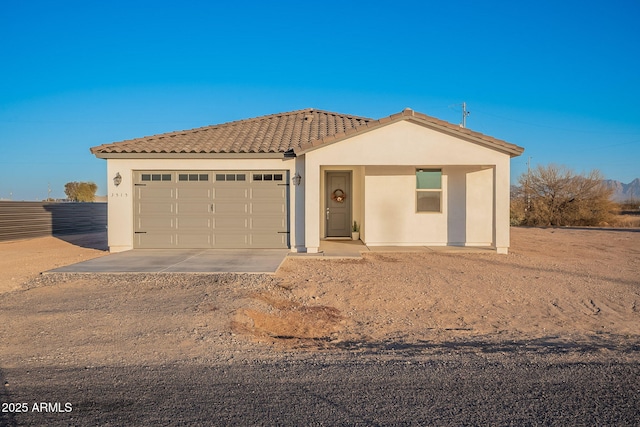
211 209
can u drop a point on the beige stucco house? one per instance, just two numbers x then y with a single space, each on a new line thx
293 179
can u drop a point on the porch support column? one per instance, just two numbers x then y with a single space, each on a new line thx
501 212
297 205
312 208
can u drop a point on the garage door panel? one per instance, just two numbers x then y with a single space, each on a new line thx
202 193
155 222
230 192
230 240
154 193
194 222
156 208
268 208
155 240
195 207
275 223
220 209
193 240
268 240
236 222
230 208
264 192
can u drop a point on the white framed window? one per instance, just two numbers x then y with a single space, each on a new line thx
428 190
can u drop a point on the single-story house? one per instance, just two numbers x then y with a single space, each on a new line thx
290 180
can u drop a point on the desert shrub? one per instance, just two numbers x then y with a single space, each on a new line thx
518 207
556 196
631 205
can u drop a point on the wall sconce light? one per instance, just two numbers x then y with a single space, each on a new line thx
296 179
117 180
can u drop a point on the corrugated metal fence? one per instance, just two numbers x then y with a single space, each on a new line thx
21 220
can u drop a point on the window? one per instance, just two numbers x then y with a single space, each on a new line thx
230 177
428 190
268 177
193 177
155 177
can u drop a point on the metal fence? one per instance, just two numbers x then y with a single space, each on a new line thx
21 220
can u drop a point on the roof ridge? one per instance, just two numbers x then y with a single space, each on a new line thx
243 121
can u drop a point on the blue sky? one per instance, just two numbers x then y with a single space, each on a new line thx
560 78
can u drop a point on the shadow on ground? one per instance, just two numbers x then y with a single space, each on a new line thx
450 390
89 240
545 345
6 417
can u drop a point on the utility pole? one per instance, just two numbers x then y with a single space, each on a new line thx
465 114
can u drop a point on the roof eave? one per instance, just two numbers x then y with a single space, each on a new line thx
101 155
502 146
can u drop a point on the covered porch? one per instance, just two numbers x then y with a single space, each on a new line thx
388 205
406 183
333 248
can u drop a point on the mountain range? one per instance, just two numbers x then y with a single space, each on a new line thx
622 192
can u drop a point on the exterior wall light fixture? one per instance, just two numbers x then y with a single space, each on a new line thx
296 179
117 180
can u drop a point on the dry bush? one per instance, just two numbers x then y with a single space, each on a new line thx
625 221
555 196
628 214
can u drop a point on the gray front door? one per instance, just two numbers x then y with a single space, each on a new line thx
338 204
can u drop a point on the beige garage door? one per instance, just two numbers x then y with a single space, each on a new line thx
211 209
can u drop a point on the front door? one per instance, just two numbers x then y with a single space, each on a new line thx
338 204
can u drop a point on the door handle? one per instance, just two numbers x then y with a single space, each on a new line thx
327 214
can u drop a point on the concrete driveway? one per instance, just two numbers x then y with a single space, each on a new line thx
182 261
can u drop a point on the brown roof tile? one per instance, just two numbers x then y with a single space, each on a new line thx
299 130
276 133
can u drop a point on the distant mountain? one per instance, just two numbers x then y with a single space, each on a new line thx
622 192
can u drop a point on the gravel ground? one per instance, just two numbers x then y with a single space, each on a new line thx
454 389
548 335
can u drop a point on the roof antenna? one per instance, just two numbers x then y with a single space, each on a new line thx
465 114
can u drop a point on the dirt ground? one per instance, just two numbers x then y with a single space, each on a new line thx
22 260
547 335
563 283
578 286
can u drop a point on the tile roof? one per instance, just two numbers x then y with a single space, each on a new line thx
275 133
297 131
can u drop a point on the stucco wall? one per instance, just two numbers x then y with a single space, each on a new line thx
120 207
480 207
390 209
471 214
